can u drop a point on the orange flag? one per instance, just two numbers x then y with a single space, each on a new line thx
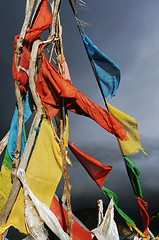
51 86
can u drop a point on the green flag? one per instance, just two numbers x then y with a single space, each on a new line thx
134 174
110 195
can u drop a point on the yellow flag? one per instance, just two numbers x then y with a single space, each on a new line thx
133 145
136 229
65 138
3 229
5 185
43 174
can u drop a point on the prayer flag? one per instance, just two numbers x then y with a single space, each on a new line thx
41 22
144 215
132 228
106 71
133 145
63 67
95 169
51 87
108 228
150 235
27 111
5 176
134 174
37 212
43 174
79 231
3 230
5 185
111 194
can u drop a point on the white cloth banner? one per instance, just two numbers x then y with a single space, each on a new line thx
107 230
33 222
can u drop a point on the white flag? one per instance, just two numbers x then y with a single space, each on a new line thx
107 229
32 221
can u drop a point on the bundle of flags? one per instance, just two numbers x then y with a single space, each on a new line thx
42 181
107 74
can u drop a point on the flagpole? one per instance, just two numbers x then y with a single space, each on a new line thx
67 186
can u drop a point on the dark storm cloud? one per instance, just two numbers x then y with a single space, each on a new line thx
127 32
85 192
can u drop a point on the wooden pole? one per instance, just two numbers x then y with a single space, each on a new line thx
32 70
67 186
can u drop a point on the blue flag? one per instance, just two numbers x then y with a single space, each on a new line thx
27 111
106 71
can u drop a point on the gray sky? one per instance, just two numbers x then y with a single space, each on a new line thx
127 32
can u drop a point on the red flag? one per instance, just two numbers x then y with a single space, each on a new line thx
51 86
41 23
79 231
95 169
144 215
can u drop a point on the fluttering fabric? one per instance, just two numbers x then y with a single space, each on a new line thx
40 24
106 71
27 111
51 92
66 137
144 215
110 195
51 87
43 173
79 231
132 228
107 229
100 212
5 185
150 235
3 229
5 176
95 169
63 67
133 145
134 174
35 223
4 235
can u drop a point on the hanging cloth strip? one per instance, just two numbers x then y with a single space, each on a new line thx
134 174
79 231
32 221
40 24
107 73
133 145
5 173
95 169
145 217
51 87
27 112
43 174
107 229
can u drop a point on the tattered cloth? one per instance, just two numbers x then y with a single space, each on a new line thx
51 87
